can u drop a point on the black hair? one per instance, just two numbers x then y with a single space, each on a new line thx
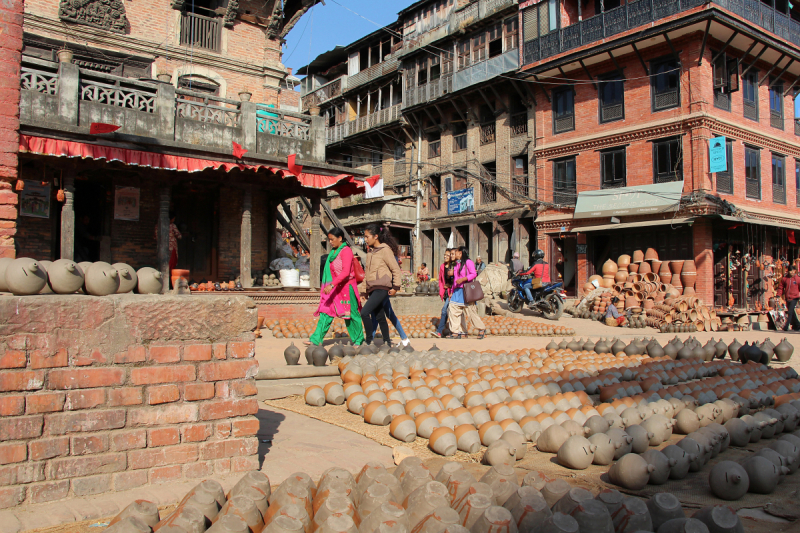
464 254
384 236
171 215
336 232
424 264
792 267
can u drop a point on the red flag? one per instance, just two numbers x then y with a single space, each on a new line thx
790 235
98 128
238 151
294 168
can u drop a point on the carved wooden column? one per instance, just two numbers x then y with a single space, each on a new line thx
272 225
163 237
246 242
68 215
315 243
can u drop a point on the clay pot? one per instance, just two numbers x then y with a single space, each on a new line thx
680 469
728 480
664 507
552 438
315 396
143 510
65 276
644 268
624 261
291 354
25 276
176 273
467 438
622 442
662 466
609 268
528 508
517 441
638 256
375 413
720 519
641 437
4 262
357 402
633 268
783 351
443 441
319 356
621 276
148 281
688 273
473 508
675 267
554 490
664 273
593 517
128 279
500 452
426 423
762 474
631 472
576 453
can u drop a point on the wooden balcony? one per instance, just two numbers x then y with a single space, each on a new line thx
339 132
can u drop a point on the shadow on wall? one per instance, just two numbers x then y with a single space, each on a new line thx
269 421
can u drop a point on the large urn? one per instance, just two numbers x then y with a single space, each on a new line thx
688 273
664 273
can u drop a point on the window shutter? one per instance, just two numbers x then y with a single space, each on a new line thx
530 23
353 67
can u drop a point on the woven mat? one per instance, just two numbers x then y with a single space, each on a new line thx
693 491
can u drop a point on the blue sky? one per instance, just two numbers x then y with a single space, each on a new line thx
325 26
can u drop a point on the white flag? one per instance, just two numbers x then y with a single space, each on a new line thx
373 187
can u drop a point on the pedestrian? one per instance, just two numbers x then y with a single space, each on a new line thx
339 297
381 278
446 270
479 264
789 289
538 270
516 264
423 274
464 272
174 235
391 317
613 318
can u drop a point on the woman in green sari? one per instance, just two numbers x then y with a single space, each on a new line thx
339 296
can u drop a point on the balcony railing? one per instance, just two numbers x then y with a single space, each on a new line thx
327 92
434 149
486 70
65 95
339 132
640 12
387 66
519 124
428 92
488 133
200 31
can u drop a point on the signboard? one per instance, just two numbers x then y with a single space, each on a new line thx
460 201
717 154
126 203
626 201
35 200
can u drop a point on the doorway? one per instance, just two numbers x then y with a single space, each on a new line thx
563 263
90 219
196 210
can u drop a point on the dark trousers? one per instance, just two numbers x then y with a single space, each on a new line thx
791 318
374 305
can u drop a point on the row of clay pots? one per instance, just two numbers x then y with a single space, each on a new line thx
25 276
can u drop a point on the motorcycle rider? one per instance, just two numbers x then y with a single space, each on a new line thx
539 269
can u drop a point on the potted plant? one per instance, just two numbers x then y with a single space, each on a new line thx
407 283
245 95
65 55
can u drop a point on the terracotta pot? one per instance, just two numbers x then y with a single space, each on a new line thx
148 280
403 428
649 303
675 267
688 274
655 265
638 256
609 268
588 287
664 273
650 254
621 276
607 283
644 268
688 291
315 396
675 281
178 273
623 261
633 268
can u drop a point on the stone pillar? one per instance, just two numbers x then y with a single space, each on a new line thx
249 126
473 243
246 239
163 237
437 249
68 214
272 225
702 245
10 49
165 110
68 97
315 242
516 240
496 243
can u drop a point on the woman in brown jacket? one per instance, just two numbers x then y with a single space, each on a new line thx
381 278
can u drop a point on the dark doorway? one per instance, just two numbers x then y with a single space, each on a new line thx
90 219
563 262
196 209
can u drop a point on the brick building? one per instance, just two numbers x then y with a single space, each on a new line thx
186 81
582 129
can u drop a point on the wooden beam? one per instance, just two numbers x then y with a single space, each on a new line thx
586 70
782 72
703 46
441 114
294 228
433 120
675 55
787 91
724 47
546 94
499 99
519 92
771 69
739 61
460 114
486 100
614 60
641 60
563 74
745 71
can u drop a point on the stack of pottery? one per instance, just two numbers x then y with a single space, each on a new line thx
675 268
610 270
688 277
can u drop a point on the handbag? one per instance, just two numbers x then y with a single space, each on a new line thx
473 291
358 270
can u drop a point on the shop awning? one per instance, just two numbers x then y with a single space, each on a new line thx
627 201
748 220
640 224
344 184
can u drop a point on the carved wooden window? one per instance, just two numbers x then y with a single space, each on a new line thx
665 76
613 168
479 47
564 181
512 33
725 179
563 110
752 172
463 54
667 160
778 179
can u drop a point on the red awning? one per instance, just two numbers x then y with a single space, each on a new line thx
344 184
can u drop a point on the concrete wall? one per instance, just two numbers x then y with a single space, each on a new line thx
105 394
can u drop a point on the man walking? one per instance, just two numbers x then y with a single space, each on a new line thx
789 289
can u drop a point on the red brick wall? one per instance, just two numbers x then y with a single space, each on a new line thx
703 260
83 411
10 48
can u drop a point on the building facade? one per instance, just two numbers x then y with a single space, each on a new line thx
531 104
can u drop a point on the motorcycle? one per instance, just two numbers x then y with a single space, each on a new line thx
547 299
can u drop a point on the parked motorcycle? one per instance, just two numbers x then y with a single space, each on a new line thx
547 299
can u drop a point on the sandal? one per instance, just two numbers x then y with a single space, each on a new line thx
482 334
436 334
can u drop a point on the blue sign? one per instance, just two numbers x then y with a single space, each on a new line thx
460 201
717 154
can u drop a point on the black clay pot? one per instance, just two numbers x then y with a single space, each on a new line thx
336 351
291 354
309 350
319 356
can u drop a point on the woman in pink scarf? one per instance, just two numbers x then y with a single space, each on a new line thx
464 273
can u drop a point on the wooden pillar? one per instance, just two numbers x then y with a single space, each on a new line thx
515 241
473 243
246 239
68 215
496 243
272 226
438 256
315 243
163 237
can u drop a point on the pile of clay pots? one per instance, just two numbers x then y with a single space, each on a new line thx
412 498
25 276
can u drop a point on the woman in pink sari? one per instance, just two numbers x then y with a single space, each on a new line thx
339 296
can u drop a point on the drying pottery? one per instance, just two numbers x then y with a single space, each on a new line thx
4 262
315 396
528 508
517 441
291 354
375 413
574 497
576 453
552 438
102 279
443 441
604 449
436 521
559 523
535 479
573 428
596 424
65 276
133 524
357 402
641 438
659 427
473 508
319 356
720 519
555 490
631 515
495 519
783 351
25 276
622 442
128 280
638 256
467 438
489 432
148 281
680 469
664 507
768 426
688 273
789 450
631 472
728 480
145 511
686 422
245 508
426 423
500 452
592 517
662 466
762 473
683 525
309 353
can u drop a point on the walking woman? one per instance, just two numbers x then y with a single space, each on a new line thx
381 278
339 296
445 288
464 272
391 318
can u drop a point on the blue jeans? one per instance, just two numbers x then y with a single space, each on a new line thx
527 288
391 317
443 320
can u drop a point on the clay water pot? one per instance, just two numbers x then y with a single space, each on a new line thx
443 441
552 438
720 519
624 261
145 511
467 438
65 276
680 468
245 508
631 472
593 517
783 351
559 523
535 479
782 462
664 507
426 423
688 273
572 499
517 441
4 262
495 520
662 466
641 438
686 422
474 507
576 453
621 276
638 256
315 396
25 276
375 413
319 356
728 480
622 442
644 269
604 449
148 281
500 452
664 273
128 280
102 279
554 490
789 450
310 358
291 354
356 403
609 268
440 519
528 508
762 473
